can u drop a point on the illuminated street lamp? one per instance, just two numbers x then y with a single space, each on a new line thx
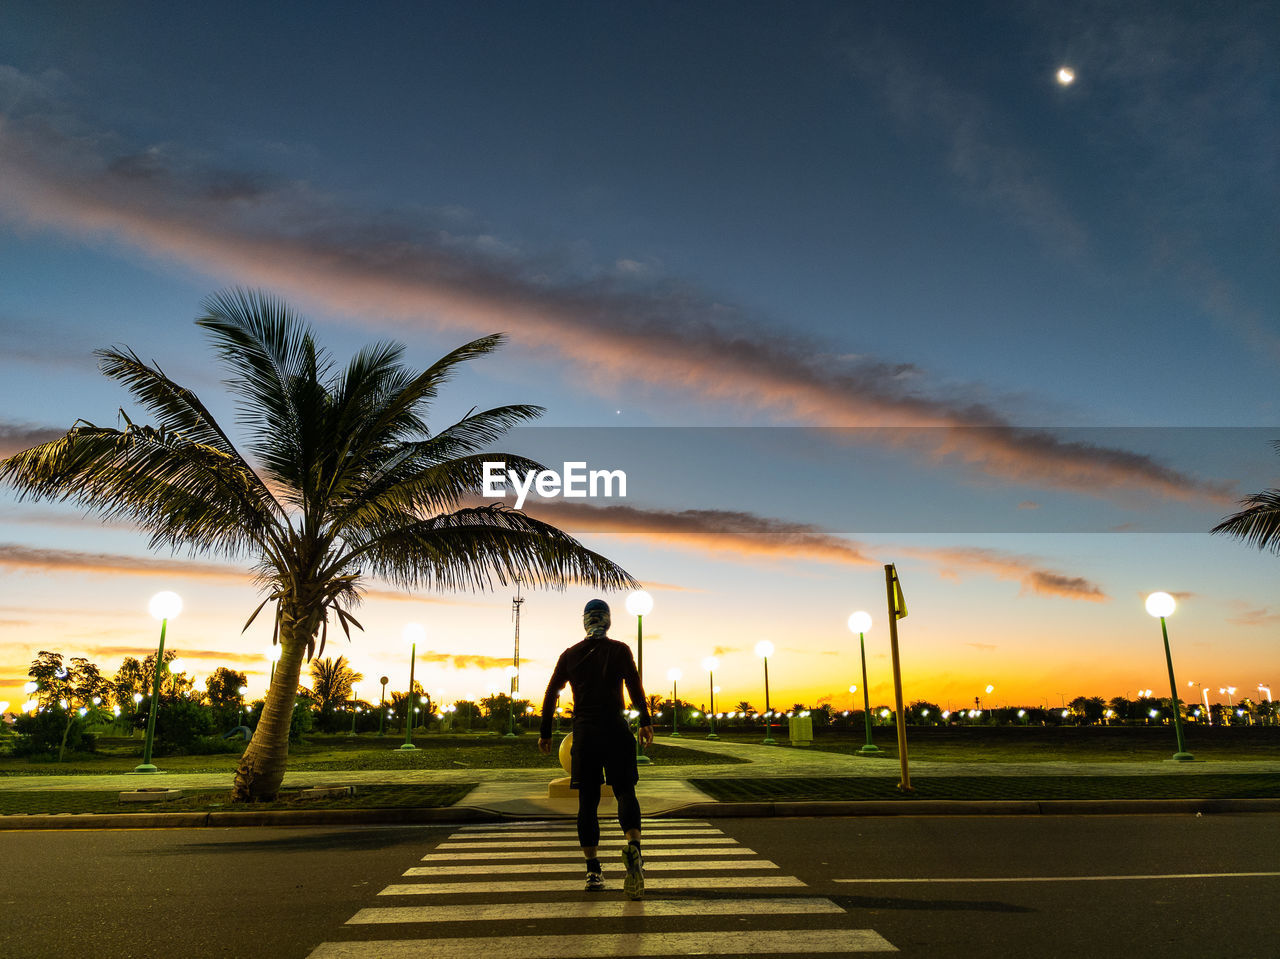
639 605
413 633
1161 605
243 690
711 664
1205 693
674 675
860 623
764 649
512 673
163 606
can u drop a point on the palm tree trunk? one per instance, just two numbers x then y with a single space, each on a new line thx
262 766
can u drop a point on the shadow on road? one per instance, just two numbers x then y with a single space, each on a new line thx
320 840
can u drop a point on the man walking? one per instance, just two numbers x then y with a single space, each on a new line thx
596 669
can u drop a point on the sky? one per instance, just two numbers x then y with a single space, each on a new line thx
835 285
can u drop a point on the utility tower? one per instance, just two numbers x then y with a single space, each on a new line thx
516 602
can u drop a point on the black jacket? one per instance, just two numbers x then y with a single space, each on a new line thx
596 670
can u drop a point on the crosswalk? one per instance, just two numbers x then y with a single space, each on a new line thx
510 890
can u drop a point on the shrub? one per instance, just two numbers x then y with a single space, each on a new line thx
179 723
41 734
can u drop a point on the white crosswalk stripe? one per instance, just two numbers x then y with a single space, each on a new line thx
532 873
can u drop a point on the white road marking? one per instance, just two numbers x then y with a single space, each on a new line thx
803 941
1174 875
526 869
576 854
595 910
575 885
533 845
500 837
563 824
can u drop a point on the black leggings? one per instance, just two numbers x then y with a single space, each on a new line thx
588 805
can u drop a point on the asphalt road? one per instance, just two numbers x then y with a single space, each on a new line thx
987 887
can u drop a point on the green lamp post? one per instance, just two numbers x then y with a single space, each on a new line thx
764 649
1161 605
860 623
382 703
711 664
674 675
512 673
163 606
639 605
413 634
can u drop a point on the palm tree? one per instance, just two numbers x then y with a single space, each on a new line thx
342 480
332 681
1259 522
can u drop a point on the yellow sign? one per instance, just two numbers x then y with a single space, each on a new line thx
899 601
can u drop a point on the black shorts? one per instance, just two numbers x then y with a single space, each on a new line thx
603 751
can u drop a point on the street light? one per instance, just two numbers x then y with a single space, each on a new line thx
860 623
163 606
413 633
1161 605
242 690
1205 692
674 675
512 673
382 702
764 649
711 664
639 605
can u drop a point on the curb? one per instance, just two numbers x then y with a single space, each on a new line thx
449 815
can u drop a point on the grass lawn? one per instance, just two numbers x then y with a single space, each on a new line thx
850 788
340 752
108 801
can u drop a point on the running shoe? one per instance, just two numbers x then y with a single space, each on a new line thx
595 882
633 885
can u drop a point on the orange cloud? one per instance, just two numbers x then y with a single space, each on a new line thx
469 660
28 558
227 225
1027 570
722 532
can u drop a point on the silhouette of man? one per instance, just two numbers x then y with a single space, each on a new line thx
603 748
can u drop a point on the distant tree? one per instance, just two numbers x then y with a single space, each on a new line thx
923 712
223 686
332 680
745 707
172 685
130 680
77 688
1089 708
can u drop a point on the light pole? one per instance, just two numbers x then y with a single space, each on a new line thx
1270 705
1161 605
639 605
163 606
711 664
243 690
512 673
382 703
674 675
354 710
764 649
1207 715
860 623
413 633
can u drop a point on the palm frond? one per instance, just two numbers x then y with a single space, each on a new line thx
1258 524
474 548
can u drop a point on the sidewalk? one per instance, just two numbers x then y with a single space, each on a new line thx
664 789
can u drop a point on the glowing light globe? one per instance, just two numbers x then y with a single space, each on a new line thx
860 622
764 649
165 605
639 603
1160 605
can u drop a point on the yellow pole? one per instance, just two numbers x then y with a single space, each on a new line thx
891 580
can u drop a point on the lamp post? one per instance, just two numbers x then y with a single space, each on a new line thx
711 664
764 649
413 633
1208 715
382 703
1270 705
860 622
354 710
674 675
639 605
512 673
163 606
243 690
1161 605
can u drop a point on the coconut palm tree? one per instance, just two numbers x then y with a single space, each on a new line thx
1258 524
340 479
332 681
